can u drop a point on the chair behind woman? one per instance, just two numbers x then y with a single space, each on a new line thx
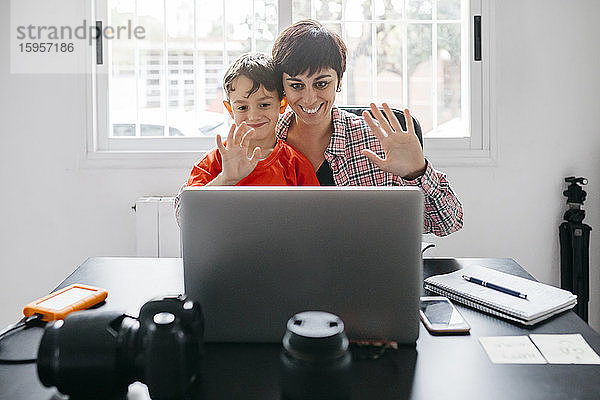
358 110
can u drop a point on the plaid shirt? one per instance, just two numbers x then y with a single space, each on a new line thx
443 212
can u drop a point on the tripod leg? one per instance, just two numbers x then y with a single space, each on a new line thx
580 248
585 269
566 257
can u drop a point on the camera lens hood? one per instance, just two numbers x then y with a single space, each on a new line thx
315 336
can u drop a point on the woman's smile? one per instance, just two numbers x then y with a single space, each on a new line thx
311 110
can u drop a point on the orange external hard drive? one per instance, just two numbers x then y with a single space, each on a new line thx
59 304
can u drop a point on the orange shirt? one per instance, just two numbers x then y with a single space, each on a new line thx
285 166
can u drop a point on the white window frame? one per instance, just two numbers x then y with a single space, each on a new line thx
478 149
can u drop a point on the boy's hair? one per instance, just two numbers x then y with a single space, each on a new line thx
259 68
308 46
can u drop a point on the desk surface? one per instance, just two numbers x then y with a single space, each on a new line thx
448 367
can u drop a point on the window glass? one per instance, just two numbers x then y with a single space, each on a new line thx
419 9
327 10
390 65
388 9
448 9
169 84
449 79
420 69
405 52
391 56
359 73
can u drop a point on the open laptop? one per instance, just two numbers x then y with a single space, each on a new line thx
255 256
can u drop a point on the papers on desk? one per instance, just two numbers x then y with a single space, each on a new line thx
552 349
511 350
542 300
565 349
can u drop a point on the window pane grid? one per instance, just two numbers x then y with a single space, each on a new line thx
195 59
430 79
161 87
390 21
374 53
166 74
138 88
172 84
434 67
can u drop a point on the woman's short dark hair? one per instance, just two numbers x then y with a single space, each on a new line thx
309 46
259 68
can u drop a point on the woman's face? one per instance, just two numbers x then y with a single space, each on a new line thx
311 97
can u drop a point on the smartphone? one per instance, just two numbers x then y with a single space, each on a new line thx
441 317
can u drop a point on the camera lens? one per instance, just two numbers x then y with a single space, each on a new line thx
315 360
315 336
78 354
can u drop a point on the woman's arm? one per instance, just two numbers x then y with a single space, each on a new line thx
443 212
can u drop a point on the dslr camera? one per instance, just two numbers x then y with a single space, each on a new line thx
96 355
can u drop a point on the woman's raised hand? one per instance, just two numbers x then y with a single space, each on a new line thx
236 163
403 152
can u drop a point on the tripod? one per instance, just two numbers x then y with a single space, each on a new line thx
574 246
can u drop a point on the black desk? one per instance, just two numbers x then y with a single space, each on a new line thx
439 367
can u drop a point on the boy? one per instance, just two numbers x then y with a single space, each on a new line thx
252 154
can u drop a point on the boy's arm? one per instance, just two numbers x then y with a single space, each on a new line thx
204 172
177 204
221 180
236 165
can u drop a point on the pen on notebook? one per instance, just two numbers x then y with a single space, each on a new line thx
495 287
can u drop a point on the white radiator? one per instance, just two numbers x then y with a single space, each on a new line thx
157 233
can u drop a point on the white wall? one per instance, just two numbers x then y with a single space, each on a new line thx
547 87
54 214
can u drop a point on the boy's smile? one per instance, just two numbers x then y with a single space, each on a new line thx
256 126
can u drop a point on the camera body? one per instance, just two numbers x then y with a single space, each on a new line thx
96 354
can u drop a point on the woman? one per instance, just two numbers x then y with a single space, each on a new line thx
346 149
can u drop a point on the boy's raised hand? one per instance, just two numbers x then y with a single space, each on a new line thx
236 164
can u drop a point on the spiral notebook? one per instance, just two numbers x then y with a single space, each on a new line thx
542 300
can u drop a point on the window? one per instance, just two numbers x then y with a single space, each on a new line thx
163 93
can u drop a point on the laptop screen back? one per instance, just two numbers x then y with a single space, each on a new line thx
253 257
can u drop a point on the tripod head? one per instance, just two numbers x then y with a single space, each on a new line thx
575 198
574 193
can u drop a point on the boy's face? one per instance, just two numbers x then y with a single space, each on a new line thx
260 110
